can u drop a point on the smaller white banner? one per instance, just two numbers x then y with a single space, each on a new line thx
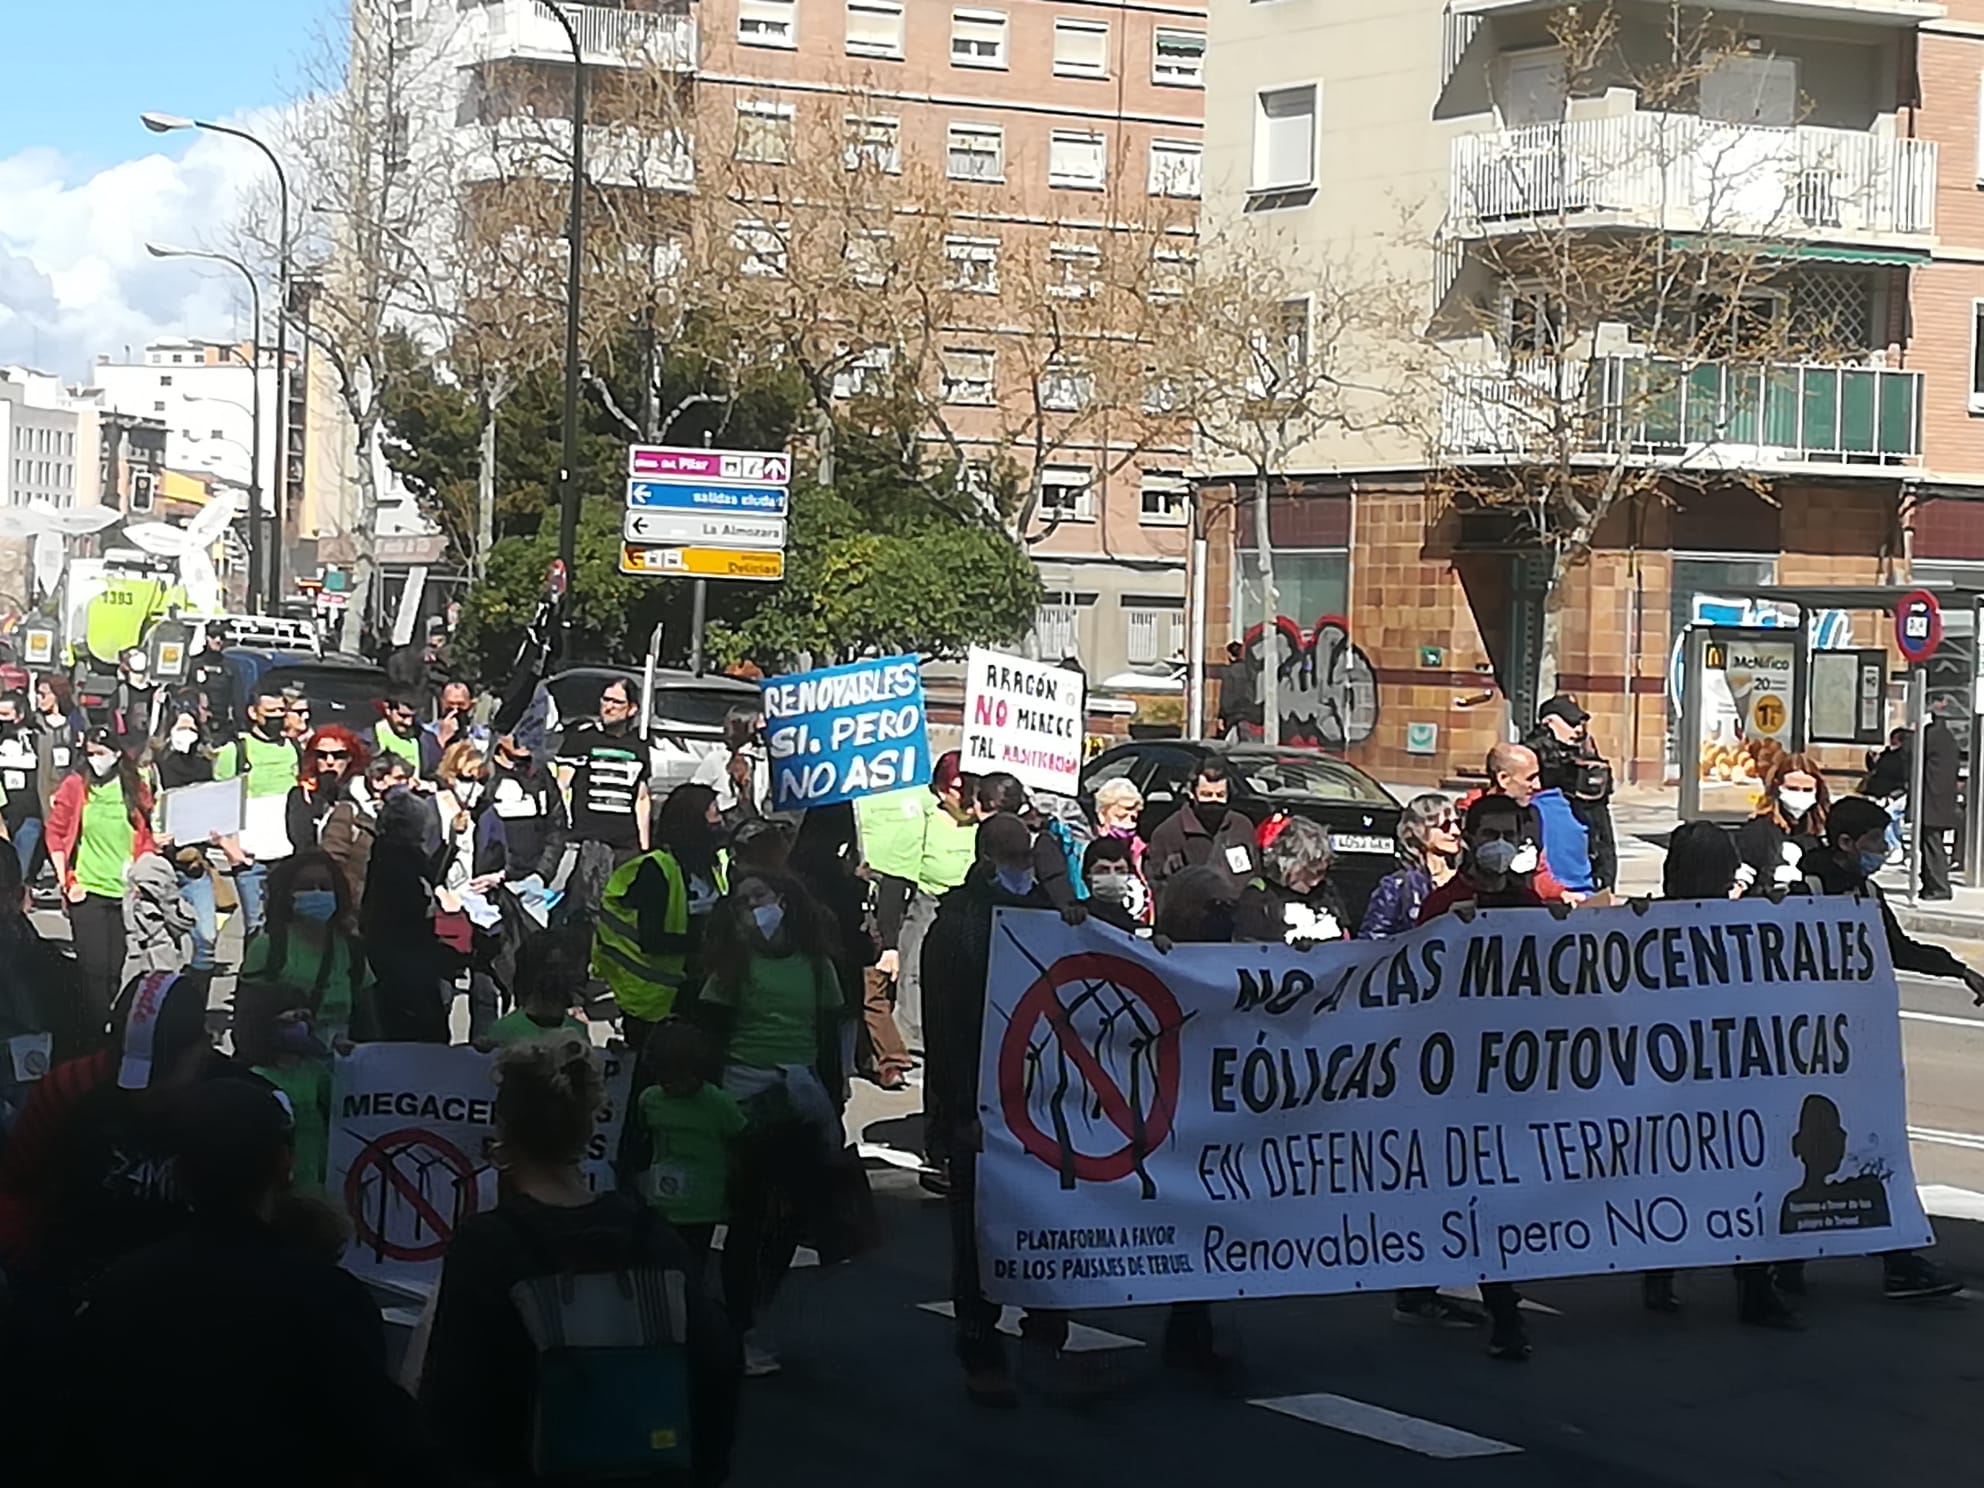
1026 718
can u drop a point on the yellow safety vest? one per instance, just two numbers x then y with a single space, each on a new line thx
644 983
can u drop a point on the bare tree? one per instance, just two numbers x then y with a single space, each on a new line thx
1621 302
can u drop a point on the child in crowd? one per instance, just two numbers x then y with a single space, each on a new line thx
692 1123
550 982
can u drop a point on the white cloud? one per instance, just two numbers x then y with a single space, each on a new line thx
75 280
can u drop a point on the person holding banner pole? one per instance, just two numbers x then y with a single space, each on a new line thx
1703 863
1854 850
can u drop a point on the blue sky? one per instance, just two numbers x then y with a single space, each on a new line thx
83 185
99 64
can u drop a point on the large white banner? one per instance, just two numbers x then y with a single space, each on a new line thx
1026 718
1514 1097
409 1157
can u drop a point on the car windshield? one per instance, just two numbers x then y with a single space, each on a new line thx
687 706
342 687
1312 776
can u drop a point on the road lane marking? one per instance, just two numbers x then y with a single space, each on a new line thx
1375 1423
1950 1020
1082 1339
1472 1293
1972 1140
1945 1202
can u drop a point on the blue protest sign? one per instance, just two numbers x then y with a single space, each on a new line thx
846 731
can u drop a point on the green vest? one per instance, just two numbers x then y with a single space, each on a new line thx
391 743
891 826
644 983
949 846
270 765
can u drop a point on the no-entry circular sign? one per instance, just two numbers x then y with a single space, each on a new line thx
407 1194
1918 625
1124 989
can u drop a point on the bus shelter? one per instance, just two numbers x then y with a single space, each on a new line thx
1753 693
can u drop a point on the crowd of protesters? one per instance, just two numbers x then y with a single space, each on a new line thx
445 879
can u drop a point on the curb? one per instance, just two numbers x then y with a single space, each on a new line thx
1947 923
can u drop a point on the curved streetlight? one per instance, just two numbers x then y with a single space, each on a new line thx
166 250
162 123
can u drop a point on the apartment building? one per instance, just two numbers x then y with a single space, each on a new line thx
204 392
1051 119
1811 416
47 441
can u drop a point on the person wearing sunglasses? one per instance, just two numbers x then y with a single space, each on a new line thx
333 756
1428 855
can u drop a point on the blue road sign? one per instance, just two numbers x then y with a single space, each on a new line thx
707 496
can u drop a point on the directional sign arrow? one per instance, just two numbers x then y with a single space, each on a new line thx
703 529
710 497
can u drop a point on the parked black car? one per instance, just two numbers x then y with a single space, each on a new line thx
1361 815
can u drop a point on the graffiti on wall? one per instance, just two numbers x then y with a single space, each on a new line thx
1327 690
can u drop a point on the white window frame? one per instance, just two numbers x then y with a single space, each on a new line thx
1170 272
1075 67
979 254
980 132
1054 478
750 236
870 270
1074 270
952 385
765 112
1052 622
1265 179
1001 44
1067 385
1068 181
1168 178
768 23
873 140
1980 129
1175 506
1156 626
863 46
1175 75
860 374
1977 356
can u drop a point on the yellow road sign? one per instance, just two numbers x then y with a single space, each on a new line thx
702 563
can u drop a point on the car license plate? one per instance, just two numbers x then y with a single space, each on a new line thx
1359 842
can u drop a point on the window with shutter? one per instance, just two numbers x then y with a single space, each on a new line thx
976 152
978 38
1081 48
1074 158
1174 168
874 28
772 23
764 132
1285 139
1178 58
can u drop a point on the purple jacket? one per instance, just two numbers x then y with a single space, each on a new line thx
1393 908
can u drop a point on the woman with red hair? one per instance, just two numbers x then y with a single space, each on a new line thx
333 757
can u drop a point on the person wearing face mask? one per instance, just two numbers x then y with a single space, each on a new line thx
526 812
333 756
1208 831
302 982
100 821
772 1006
1569 763
470 867
180 758
1118 806
647 942
1117 893
21 811
1854 848
456 723
957 955
137 702
1790 822
58 732
1499 861
1428 854
269 760
352 824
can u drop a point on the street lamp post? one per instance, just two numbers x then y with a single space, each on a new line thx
568 488
161 250
163 124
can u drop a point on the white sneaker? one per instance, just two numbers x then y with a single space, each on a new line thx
759 1360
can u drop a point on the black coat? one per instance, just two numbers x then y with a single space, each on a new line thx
1263 912
1939 763
1182 842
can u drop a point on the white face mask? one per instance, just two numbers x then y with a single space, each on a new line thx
1525 860
1797 802
102 764
468 792
183 739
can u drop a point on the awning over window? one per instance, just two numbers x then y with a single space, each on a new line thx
1816 252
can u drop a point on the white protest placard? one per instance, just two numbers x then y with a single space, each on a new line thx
1516 1097
409 1152
189 813
1026 718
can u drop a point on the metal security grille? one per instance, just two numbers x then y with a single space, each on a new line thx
1832 313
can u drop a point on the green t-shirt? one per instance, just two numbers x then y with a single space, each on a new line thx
949 846
103 846
271 764
691 1133
301 965
518 1025
776 1012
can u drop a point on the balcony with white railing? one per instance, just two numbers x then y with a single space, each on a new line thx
608 37
1680 173
1801 416
537 148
